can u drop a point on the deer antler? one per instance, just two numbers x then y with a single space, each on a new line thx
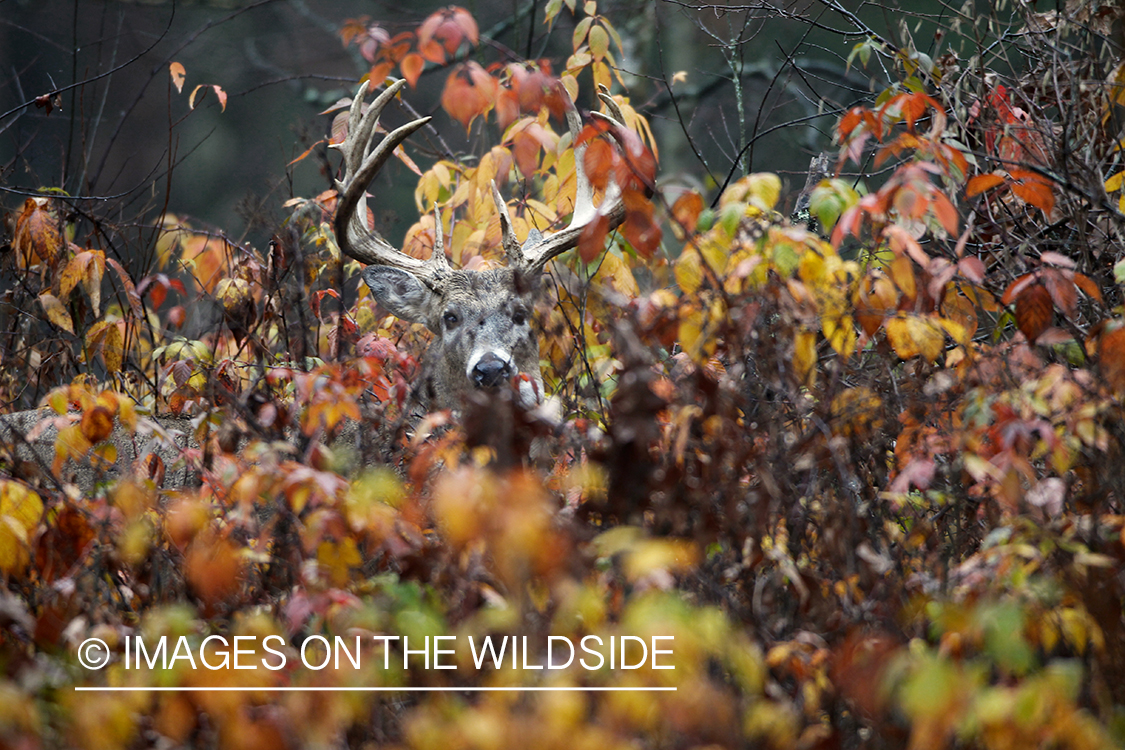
361 164
533 255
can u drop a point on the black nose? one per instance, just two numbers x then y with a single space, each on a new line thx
491 371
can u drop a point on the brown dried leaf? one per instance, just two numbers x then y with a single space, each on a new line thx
1034 310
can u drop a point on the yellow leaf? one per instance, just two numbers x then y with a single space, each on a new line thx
689 271
804 356
1115 182
14 553
615 273
764 188
20 504
902 273
70 443
56 312
841 334
911 336
691 335
73 274
715 253
92 279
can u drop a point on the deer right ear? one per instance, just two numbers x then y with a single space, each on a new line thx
401 293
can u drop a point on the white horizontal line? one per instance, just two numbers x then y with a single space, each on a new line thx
529 689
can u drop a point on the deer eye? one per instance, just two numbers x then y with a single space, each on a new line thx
450 319
519 317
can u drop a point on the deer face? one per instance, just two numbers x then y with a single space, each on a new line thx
484 335
481 320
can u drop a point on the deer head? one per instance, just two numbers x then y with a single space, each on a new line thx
484 334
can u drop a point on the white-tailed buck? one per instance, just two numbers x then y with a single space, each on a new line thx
484 333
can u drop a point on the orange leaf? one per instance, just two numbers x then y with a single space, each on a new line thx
379 73
982 183
97 424
686 211
592 240
525 148
945 212
598 161
469 91
640 228
1031 189
178 74
1086 284
1111 359
306 152
37 236
411 67
222 95
507 108
1034 310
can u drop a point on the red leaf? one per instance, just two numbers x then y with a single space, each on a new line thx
1034 310
1063 292
444 31
592 240
1016 287
640 228
598 161
314 301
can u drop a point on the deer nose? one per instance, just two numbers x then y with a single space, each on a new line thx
491 371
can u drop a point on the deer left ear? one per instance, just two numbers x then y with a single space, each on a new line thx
401 293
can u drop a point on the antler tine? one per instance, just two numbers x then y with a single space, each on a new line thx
538 250
361 163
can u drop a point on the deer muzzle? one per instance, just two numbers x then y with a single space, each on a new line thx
491 370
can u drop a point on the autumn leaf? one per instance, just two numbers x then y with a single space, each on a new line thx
56 312
591 241
412 66
443 31
222 95
1034 189
688 270
912 336
97 424
1111 358
1033 310
685 214
982 183
20 512
178 74
599 42
37 238
469 92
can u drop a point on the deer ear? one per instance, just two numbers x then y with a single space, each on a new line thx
401 293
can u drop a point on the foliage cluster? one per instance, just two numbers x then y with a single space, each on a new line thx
869 481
